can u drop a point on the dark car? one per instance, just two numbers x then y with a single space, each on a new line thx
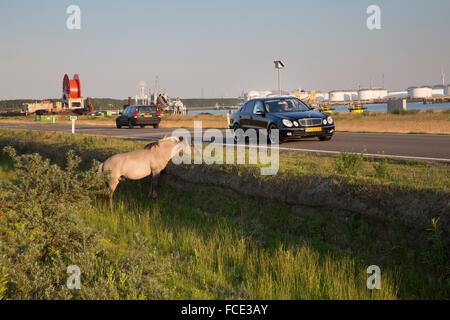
293 118
139 115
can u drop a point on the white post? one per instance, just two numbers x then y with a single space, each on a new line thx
73 126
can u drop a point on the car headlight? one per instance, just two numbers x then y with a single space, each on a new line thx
325 121
330 120
295 123
287 123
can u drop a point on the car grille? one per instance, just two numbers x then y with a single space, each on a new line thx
309 122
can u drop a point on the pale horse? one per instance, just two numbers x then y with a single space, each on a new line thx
139 164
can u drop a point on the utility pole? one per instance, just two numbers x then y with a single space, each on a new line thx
279 65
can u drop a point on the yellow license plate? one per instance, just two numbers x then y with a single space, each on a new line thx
148 115
315 129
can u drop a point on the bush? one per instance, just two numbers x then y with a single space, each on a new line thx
41 234
349 163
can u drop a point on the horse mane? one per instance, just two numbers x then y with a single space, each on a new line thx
151 145
156 143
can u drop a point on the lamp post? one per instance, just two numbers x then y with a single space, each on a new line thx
279 65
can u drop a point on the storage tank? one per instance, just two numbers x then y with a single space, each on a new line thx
365 94
337 95
420 92
350 95
438 90
447 90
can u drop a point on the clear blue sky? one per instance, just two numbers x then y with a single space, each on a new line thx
221 46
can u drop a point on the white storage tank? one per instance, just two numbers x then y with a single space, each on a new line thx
420 92
350 95
337 95
365 94
438 90
447 90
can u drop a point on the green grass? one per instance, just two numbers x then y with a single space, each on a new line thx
212 243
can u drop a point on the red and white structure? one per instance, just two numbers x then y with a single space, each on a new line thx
72 98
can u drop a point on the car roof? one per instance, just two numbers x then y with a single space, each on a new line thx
274 98
141 105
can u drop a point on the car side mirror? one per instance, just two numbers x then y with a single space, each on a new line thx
120 113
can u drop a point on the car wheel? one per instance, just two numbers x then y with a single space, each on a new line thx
237 136
142 126
130 125
118 126
271 138
156 126
325 138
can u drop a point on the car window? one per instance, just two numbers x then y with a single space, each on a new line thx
126 111
248 108
285 105
259 107
147 109
131 111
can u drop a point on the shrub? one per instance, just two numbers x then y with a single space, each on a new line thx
41 234
349 163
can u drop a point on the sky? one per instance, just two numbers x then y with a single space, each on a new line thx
219 48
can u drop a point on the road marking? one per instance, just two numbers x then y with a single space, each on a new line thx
284 148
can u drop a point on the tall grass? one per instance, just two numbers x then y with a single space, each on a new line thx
213 258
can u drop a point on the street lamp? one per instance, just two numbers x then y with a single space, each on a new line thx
279 65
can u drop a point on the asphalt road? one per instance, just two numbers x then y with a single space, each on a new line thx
413 146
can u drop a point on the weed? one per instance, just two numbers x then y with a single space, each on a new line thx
437 256
381 169
349 163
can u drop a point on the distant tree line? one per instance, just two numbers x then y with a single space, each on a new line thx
108 103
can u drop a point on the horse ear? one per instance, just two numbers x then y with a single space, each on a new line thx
181 138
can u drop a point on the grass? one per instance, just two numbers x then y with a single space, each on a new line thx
213 243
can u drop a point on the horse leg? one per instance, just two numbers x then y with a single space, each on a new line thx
112 187
154 184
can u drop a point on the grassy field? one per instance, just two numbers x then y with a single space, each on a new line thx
200 241
410 122
437 122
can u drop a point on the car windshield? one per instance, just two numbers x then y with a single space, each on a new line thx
285 105
146 109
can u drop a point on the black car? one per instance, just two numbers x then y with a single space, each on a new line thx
291 116
139 115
